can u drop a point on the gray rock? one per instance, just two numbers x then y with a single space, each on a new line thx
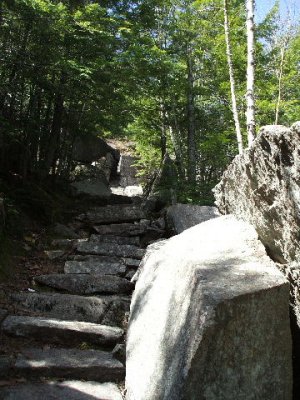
152 248
110 249
132 240
95 265
180 217
69 364
59 331
92 187
90 148
262 187
113 214
86 284
125 229
210 319
67 390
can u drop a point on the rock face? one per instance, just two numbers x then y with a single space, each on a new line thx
210 319
183 216
262 187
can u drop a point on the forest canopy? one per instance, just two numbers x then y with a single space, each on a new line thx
152 71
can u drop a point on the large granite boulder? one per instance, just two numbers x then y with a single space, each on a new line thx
210 319
180 217
87 149
262 187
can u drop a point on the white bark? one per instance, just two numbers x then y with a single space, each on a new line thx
232 80
250 113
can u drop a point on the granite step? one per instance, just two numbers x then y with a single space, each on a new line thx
113 213
86 284
94 365
110 249
105 310
129 262
59 331
123 229
131 240
66 390
95 265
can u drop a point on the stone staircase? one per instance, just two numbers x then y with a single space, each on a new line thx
76 320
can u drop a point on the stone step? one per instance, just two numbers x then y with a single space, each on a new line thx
86 284
106 310
132 240
93 365
66 243
111 249
66 390
95 265
113 213
129 262
125 229
59 331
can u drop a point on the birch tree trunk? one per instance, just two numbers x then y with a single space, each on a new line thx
232 80
250 113
191 144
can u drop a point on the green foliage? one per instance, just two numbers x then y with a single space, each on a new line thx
153 71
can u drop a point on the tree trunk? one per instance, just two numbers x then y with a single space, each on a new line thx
232 80
55 133
191 122
163 131
250 113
